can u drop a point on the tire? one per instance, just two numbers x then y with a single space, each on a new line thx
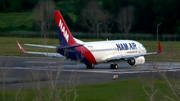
90 66
112 66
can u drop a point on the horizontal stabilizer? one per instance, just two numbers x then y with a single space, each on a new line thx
53 47
70 46
46 54
44 46
20 47
40 53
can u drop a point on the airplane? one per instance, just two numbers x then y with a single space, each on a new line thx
92 53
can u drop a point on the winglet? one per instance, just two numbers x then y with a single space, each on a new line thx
159 47
20 47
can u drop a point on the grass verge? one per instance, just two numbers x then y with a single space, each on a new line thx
131 89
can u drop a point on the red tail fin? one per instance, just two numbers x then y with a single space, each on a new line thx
65 37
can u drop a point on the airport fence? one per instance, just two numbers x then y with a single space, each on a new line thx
81 35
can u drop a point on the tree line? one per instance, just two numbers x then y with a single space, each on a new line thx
147 14
111 16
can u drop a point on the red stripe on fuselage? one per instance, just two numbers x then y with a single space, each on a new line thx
87 54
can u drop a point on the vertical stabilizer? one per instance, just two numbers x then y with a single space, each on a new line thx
64 35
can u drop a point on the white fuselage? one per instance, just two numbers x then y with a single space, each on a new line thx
103 50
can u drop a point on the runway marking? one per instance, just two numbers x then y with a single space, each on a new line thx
41 62
122 72
95 71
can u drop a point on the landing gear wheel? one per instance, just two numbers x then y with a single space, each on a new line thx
114 66
90 66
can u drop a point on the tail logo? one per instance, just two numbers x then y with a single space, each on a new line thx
66 36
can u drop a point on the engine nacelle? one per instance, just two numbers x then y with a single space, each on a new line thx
136 61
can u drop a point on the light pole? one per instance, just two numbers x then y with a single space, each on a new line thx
97 29
157 30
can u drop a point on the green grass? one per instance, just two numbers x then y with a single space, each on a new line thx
8 47
127 89
119 90
16 21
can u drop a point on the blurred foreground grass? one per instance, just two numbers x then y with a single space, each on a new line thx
8 47
132 89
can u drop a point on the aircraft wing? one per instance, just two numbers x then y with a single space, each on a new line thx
46 54
41 53
128 57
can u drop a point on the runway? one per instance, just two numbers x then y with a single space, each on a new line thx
42 63
28 70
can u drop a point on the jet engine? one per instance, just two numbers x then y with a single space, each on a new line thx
136 61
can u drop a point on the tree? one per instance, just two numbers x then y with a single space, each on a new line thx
125 19
43 16
16 5
79 5
95 19
107 22
2 6
91 16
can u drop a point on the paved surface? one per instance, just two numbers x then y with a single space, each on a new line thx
24 72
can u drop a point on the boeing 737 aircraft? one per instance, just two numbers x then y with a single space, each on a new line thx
91 53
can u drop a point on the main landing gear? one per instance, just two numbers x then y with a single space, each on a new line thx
90 66
114 66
